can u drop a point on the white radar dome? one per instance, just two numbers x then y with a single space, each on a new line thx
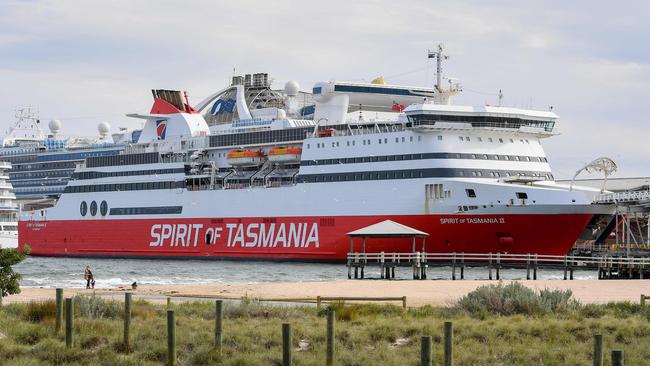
291 88
104 128
55 126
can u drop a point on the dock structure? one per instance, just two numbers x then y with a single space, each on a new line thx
608 267
383 230
632 219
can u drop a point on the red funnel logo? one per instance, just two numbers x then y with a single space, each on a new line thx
161 129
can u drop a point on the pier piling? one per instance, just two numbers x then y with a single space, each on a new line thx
171 338
286 344
59 310
426 358
331 316
69 315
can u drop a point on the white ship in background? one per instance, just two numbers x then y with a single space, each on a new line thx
8 210
252 172
43 162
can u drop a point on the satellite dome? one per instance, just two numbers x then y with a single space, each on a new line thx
104 128
55 126
291 88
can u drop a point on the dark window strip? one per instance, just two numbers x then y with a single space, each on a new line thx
123 159
479 121
137 186
373 159
96 175
418 173
162 210
261 137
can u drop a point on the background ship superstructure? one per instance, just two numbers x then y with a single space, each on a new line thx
267 186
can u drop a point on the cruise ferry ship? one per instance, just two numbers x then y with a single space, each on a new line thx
43 162
265 185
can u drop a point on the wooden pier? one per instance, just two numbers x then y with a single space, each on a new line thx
608 267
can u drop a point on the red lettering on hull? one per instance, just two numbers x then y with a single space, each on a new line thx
306 238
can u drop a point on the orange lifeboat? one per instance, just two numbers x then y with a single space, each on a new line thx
285 154
241 157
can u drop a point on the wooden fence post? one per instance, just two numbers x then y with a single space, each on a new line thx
171 338
218 327
169 302
642 299
286 344
318 303
127 321
69 314
331 316
449 346
617 358
598 350
59 310
404 302
426 358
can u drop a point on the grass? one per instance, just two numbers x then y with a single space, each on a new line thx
497 325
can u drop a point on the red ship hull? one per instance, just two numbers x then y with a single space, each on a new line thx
298 238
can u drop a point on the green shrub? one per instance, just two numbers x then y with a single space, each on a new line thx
514 298
41 310
97 308
29 334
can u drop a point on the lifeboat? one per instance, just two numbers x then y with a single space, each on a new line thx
285 154
245 158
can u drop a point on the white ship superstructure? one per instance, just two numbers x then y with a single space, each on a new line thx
8 210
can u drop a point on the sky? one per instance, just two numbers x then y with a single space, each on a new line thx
85 62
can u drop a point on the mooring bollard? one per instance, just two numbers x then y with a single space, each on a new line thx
171 338
286 344
331 315
426 358
598 350
449 345
69 315
59 310
218 326
617 358
127 321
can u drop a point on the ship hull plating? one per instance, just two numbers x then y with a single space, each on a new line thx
299 238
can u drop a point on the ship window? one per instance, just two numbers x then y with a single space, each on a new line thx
403 139
419 138
380 141
397 139
466 138
385 141
500 140
439 138
522 195
511 140
411 139
83 208
460 138
93 208
470 193
480 139
103 208
490 139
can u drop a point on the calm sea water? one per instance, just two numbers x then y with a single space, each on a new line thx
68 272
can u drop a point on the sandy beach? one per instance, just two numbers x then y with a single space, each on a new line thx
418 293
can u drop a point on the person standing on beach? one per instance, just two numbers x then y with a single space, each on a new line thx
88 276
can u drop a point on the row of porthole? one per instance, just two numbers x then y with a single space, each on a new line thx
103 208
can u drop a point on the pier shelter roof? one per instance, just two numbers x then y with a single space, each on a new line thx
387 229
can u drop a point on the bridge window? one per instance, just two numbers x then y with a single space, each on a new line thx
522 195
470 193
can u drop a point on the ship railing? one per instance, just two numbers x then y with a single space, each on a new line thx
631 196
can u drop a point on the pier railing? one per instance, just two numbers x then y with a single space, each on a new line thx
607 266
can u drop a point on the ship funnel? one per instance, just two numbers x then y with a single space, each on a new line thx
170 101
